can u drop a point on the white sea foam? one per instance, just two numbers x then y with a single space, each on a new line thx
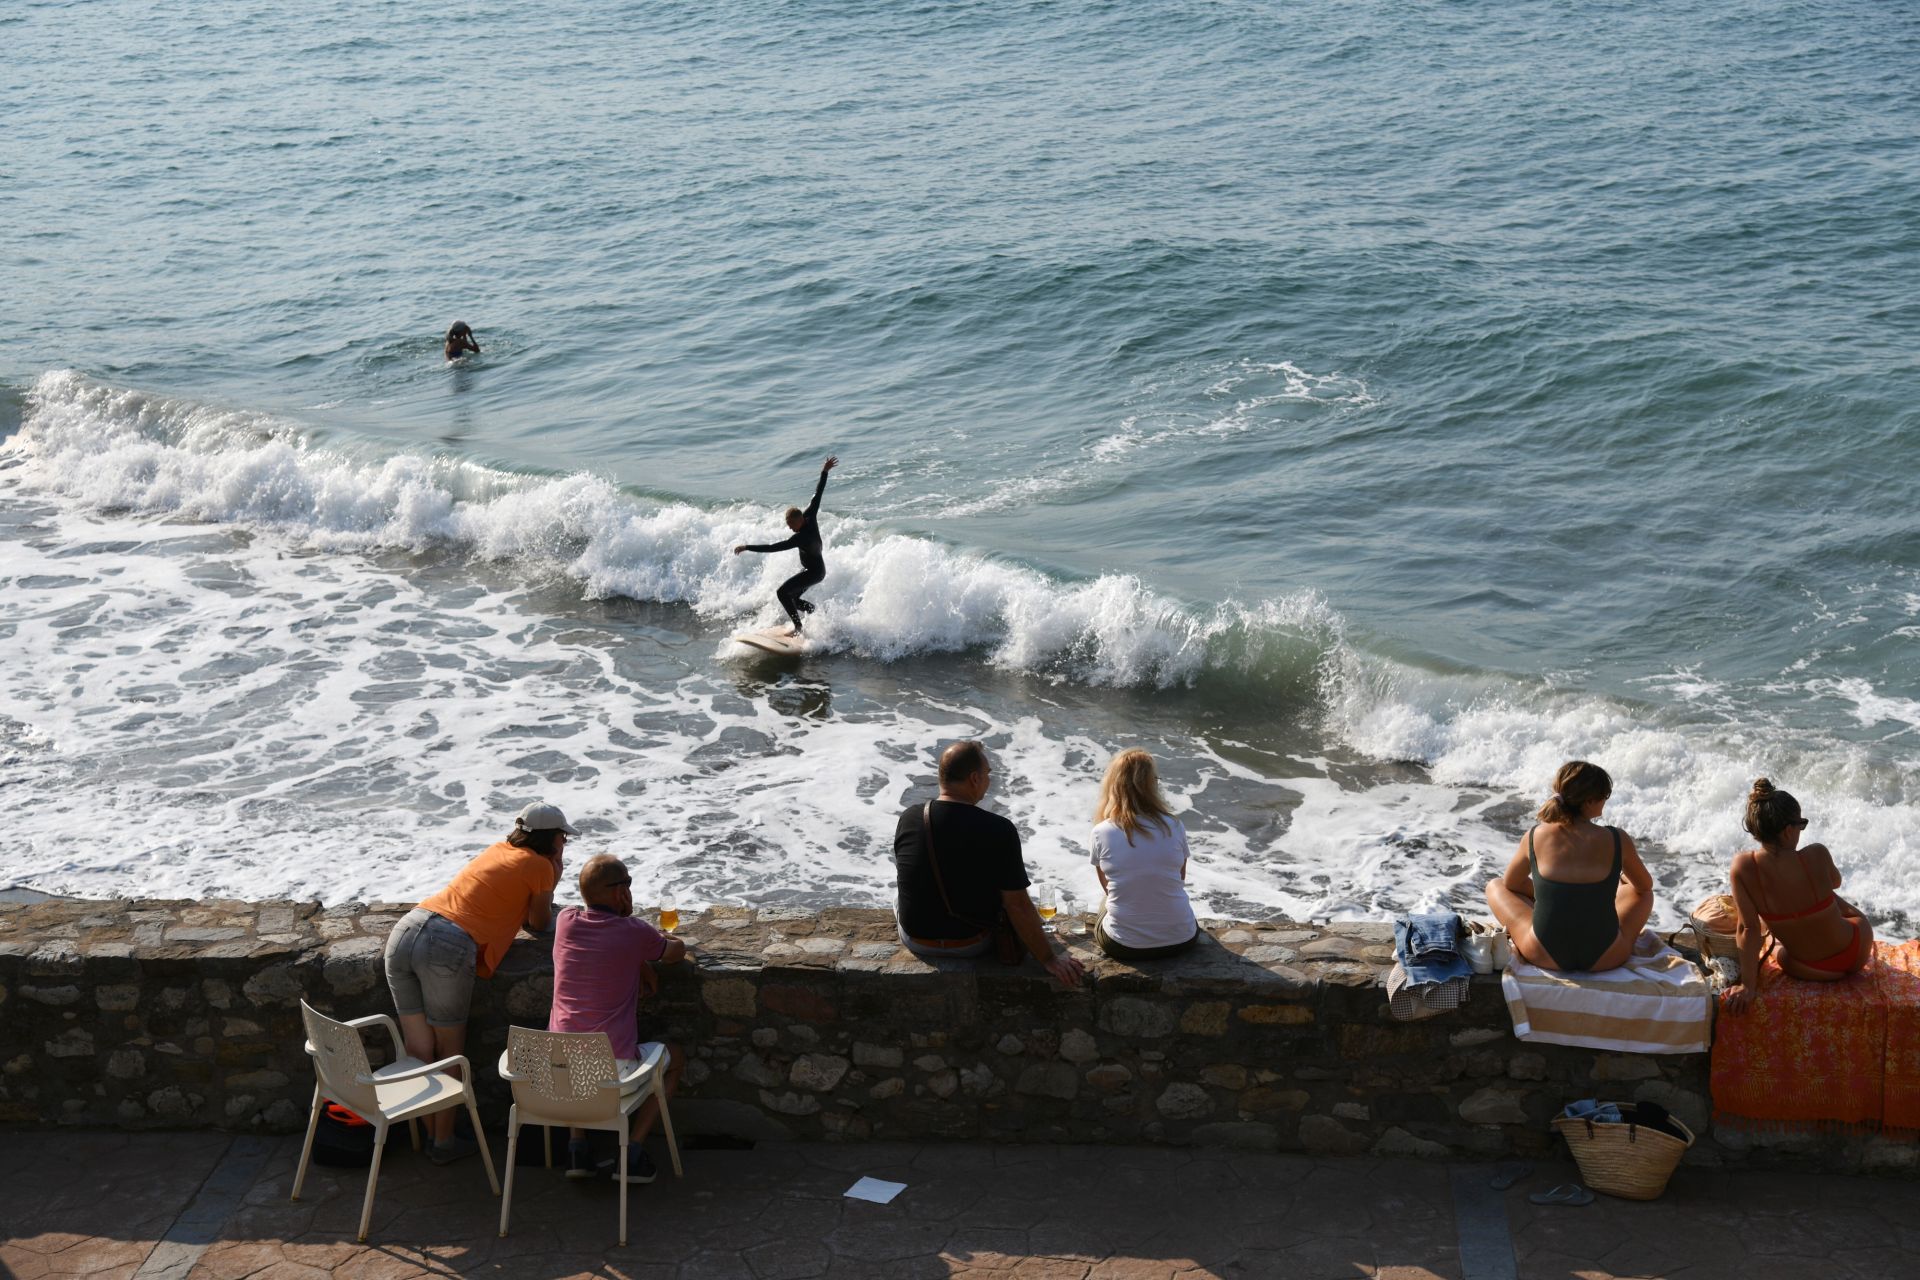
1249 394
1871 707
888 595
210 637
248 722
185 615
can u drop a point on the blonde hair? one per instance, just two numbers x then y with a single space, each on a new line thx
1130 794
1575 786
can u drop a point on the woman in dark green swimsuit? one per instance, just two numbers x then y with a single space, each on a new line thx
1575 895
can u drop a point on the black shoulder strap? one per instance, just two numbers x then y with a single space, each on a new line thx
1616 849
933 860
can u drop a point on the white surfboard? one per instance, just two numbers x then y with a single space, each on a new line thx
773 640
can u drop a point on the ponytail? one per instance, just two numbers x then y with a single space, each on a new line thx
1577 785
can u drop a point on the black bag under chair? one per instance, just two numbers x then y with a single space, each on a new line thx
343 1140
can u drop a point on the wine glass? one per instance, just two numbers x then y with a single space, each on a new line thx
1049 904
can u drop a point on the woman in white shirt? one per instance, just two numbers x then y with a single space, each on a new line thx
1140 854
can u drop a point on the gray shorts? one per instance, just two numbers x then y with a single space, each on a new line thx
430 962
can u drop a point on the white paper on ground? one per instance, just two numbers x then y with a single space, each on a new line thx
876 1190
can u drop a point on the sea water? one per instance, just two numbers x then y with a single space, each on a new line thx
1363 408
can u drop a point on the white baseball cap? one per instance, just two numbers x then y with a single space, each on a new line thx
540 816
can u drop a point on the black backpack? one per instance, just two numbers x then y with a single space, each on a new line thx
343 1140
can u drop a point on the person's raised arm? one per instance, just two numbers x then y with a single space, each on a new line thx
1632 870
1825 855
1518 877
540 912
1093 856
539 918
813 508
788 545
1749 933
672 951
1026 923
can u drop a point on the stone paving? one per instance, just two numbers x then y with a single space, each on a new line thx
81 1202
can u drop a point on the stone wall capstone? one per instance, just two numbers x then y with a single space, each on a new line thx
820 1026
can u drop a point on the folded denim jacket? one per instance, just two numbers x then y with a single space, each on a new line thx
1430 948
1431 969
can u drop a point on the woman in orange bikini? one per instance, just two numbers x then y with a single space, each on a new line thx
1789 891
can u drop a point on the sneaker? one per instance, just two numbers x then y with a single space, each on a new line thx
639 1165
447 1153
579 1160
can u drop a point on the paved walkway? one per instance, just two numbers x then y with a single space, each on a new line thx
205 1205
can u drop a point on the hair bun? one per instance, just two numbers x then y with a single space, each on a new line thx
1762 786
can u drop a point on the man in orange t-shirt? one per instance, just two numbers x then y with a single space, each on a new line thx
438 948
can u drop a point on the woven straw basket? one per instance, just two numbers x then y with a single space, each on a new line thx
1712 926
1626 1160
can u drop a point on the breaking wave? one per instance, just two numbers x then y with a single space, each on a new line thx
888 595
1489 741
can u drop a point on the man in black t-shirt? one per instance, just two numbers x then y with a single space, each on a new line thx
978 867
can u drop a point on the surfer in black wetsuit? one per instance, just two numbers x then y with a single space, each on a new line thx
805 540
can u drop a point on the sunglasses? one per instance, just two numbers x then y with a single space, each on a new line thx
1799 822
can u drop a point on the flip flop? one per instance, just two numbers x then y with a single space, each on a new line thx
1508 1176
1566 1193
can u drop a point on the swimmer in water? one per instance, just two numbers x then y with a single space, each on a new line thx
460 341
805 540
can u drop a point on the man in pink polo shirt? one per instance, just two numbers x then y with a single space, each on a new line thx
603 962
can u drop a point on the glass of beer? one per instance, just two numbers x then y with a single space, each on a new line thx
1049 904
669 915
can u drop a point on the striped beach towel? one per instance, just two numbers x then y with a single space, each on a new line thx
1658 1002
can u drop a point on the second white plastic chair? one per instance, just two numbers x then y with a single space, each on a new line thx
571 1078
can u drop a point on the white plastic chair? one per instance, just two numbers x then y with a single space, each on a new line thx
406 1089
571 1078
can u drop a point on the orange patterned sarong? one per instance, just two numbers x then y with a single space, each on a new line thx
1825 1055
1901 982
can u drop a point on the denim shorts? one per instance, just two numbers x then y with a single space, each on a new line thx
430 962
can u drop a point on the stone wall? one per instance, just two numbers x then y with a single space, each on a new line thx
820 1026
